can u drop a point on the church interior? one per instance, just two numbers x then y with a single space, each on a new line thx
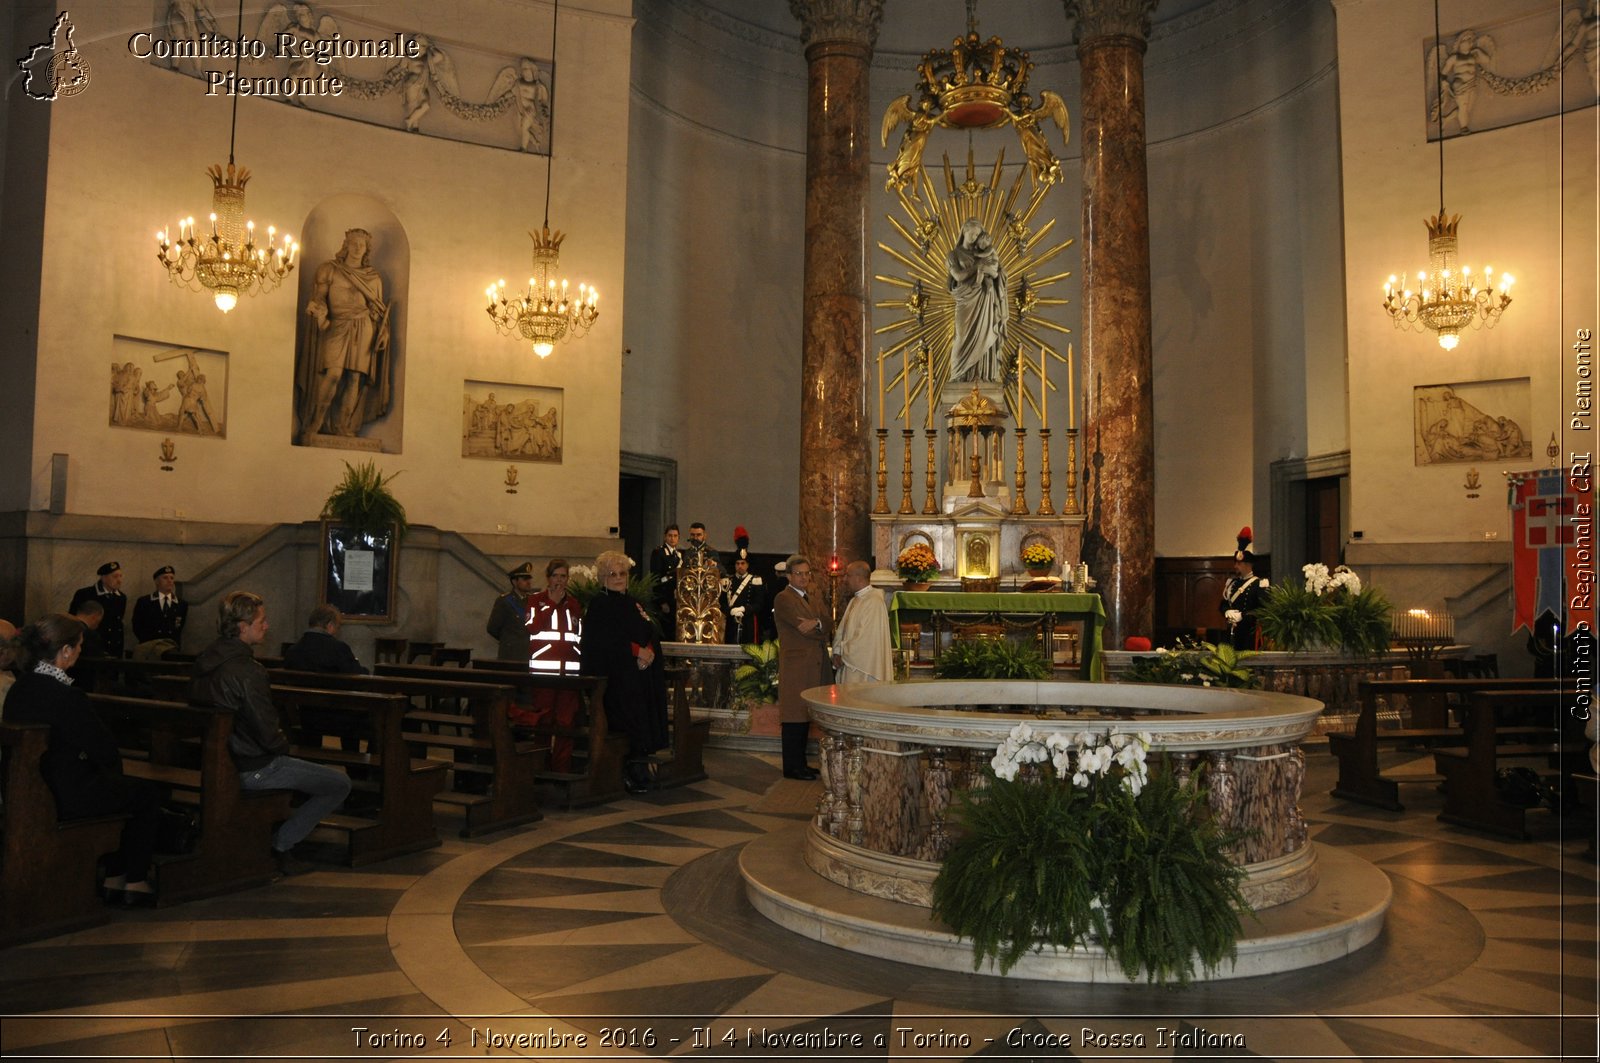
733 368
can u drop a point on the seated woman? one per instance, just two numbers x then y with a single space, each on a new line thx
621 645
82 765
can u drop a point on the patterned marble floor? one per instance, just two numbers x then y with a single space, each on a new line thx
623 932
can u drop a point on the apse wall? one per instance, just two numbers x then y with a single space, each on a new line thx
1437 531
1245 247
126 157
715 250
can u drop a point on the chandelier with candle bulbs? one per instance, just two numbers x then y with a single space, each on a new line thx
549 311
227 262
1448 296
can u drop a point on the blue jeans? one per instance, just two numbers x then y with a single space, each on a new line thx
326 789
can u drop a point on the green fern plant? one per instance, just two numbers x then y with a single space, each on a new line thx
991 659
1293 618
362 500
1364 623
1170 894
1020 876
1142 871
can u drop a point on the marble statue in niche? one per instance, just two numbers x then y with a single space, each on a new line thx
345 350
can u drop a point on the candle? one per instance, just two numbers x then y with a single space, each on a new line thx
1072 396
1020 363
927 377
881 422
1044 395
905 384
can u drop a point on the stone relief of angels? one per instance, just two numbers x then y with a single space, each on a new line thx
524 84
434 67
1455 69
188 20
299 21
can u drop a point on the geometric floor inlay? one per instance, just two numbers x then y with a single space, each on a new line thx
632 916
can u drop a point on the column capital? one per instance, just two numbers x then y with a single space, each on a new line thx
1108 18
850 21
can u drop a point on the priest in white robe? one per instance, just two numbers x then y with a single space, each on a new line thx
861 647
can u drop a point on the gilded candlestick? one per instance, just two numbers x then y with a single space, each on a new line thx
1045 508
929 505
882 504
905 474
1019 504
1070 503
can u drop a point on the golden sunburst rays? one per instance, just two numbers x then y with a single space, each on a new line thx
925 325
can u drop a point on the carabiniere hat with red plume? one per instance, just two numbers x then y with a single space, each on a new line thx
1246 539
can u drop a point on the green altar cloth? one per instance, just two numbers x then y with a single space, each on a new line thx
1076 607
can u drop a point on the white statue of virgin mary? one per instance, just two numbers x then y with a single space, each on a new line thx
978 283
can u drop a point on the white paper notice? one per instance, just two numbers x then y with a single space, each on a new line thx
358 570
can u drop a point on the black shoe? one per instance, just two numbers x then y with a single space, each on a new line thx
290 864
138 898
804 774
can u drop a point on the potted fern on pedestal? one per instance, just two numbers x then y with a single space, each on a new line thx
362 526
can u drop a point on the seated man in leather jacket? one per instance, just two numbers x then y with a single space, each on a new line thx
227 675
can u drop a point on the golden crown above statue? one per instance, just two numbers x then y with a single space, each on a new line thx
976 84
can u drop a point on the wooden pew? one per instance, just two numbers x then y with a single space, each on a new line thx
402 787
1429 701
682 763
494 776
598 754
185 748
47 868
1471 799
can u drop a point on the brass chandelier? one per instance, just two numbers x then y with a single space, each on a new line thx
228 262
549 311
1448 297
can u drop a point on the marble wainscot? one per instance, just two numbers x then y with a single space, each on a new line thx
893 755
1332 678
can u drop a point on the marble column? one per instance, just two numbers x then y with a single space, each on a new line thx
1118 440
836 462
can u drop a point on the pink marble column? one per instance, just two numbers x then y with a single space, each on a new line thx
836 460
1118 441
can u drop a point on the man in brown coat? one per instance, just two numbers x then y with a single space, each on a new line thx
802 661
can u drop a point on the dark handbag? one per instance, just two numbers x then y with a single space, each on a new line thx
178 833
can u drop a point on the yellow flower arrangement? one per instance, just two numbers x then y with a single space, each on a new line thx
1038 555
916 562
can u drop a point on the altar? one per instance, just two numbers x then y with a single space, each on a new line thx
1068 625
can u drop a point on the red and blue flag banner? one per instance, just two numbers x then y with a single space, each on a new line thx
1552 548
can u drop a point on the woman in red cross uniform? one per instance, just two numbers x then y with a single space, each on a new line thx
555 626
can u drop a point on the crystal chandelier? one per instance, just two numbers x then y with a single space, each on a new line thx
228 262
549 311
1448 297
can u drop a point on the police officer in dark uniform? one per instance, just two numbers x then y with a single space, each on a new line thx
742 601
107 590
508 619
159 617
664 563
1243 595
